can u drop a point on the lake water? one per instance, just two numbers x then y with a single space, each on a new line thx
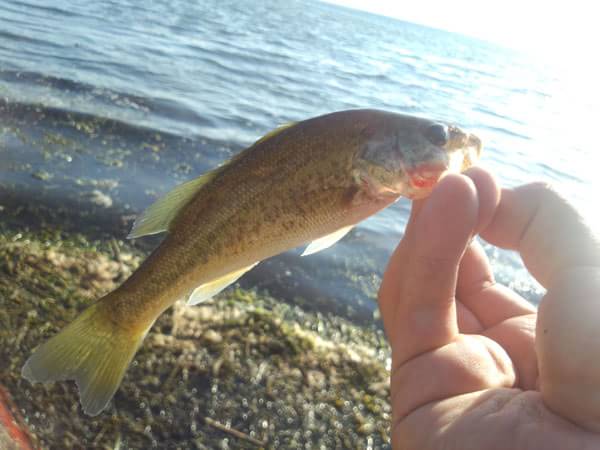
104 106
116 102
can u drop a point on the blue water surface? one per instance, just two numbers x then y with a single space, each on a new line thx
216 75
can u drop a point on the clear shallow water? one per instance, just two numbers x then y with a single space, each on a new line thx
174 88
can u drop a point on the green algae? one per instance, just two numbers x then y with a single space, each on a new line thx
281 376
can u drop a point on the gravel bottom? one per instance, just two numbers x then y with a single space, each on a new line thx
241 371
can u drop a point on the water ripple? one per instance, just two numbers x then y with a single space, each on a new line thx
232 71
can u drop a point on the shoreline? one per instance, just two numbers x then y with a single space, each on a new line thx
243 370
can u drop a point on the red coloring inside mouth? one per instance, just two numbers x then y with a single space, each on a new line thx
423 182
425 175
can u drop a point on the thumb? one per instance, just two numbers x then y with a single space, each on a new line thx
417 293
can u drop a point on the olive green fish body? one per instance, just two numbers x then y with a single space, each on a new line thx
309 181
270 199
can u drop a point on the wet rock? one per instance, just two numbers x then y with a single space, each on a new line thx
212 337
316 379
98 198
42 175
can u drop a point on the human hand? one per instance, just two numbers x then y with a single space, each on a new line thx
465 357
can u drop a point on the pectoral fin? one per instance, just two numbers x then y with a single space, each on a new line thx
159 215
212 288
326 241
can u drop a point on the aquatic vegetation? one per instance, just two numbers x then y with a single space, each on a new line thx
270 371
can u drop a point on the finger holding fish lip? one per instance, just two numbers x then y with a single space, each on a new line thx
419 300
418 297
417 292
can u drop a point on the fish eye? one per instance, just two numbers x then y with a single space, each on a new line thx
437 134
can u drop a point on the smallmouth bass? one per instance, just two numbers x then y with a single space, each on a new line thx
308 182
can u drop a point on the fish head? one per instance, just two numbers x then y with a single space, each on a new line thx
405 155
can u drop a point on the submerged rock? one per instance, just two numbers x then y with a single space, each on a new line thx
98 198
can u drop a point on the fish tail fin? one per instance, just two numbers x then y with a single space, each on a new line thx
93 351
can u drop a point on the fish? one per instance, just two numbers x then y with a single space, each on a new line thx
304 183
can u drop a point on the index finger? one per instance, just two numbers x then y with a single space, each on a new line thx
545 229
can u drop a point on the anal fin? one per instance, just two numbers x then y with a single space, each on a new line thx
210 289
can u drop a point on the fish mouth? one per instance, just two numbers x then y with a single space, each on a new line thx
425 175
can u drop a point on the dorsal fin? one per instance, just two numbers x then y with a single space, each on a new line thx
275 132
158 216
